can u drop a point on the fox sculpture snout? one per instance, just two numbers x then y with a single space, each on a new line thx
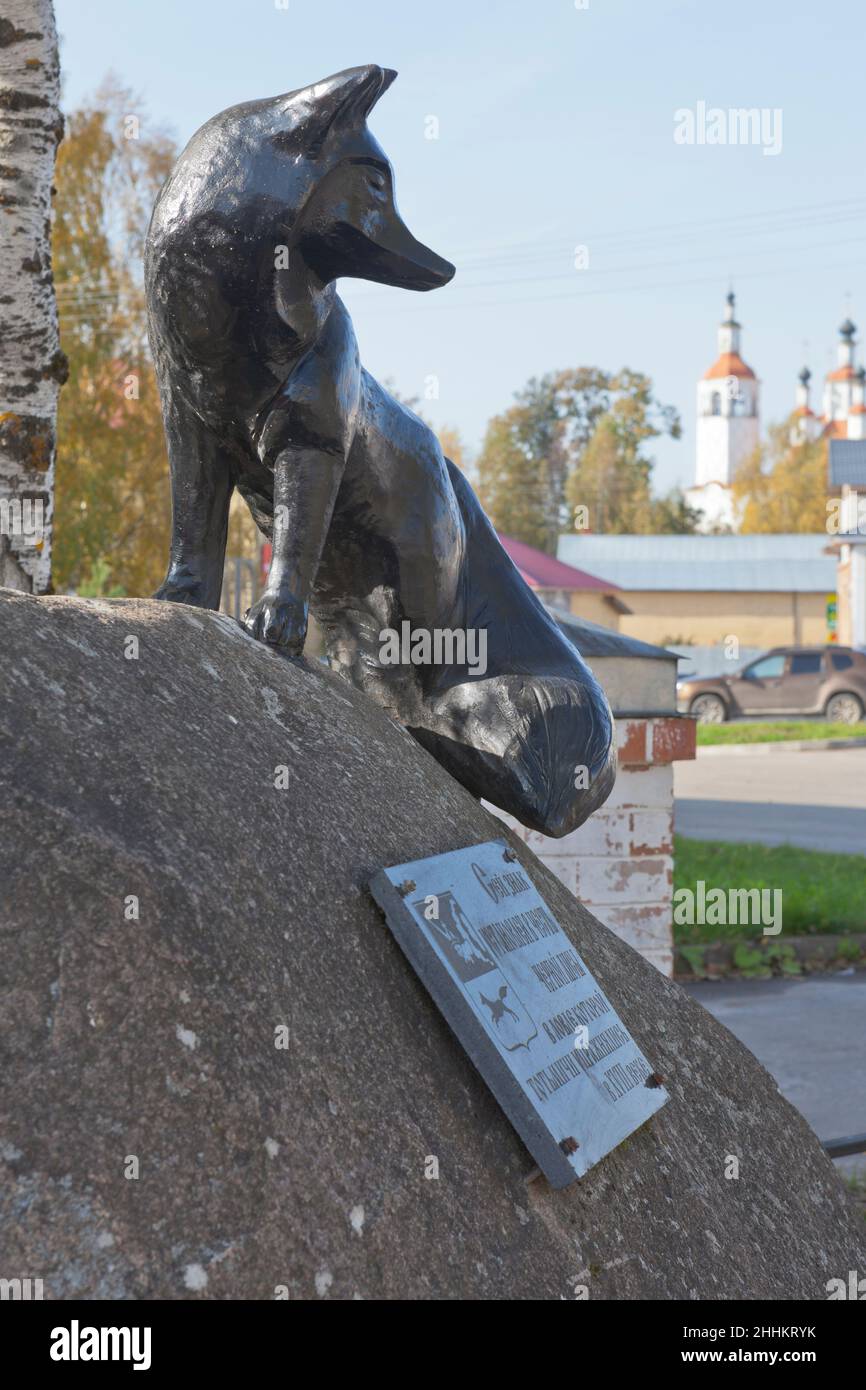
352 227
262 391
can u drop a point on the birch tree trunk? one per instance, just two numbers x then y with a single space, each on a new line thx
32 367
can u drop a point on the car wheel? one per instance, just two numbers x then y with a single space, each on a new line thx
709 709
844 709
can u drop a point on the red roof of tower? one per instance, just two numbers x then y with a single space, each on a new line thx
729 364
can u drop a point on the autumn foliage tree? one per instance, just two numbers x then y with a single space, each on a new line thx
113 505
782 486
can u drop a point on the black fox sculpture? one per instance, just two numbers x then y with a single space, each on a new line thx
262 390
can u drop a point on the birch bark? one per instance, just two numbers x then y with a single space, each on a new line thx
32 366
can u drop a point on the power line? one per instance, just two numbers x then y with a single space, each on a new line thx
504 303
660 232
695 224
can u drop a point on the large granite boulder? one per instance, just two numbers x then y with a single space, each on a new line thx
141 748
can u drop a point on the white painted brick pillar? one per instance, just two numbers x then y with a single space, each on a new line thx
620 863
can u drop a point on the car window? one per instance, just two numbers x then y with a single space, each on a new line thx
766 668
841 660
805 663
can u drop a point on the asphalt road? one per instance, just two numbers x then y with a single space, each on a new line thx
814 800
810 1035
836 828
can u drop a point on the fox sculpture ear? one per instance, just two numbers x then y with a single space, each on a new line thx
343 100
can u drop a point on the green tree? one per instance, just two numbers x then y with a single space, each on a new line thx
113 506
573 438
512 483
672 515
609 483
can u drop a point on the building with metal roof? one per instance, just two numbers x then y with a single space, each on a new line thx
847 464
765 590
771 564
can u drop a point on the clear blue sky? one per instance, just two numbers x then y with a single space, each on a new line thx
556 129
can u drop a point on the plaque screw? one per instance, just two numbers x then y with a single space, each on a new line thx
569 1145
510 856
407 886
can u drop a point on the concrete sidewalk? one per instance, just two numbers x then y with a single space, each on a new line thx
810 1034
828 778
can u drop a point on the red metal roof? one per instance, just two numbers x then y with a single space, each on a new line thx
729 364
544 572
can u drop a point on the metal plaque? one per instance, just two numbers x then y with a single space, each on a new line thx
523 1003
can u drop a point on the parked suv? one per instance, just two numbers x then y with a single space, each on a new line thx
787 680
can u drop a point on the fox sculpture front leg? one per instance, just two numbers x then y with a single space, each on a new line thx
305 487
318 403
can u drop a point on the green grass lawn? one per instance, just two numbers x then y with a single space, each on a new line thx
774 731
821 892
